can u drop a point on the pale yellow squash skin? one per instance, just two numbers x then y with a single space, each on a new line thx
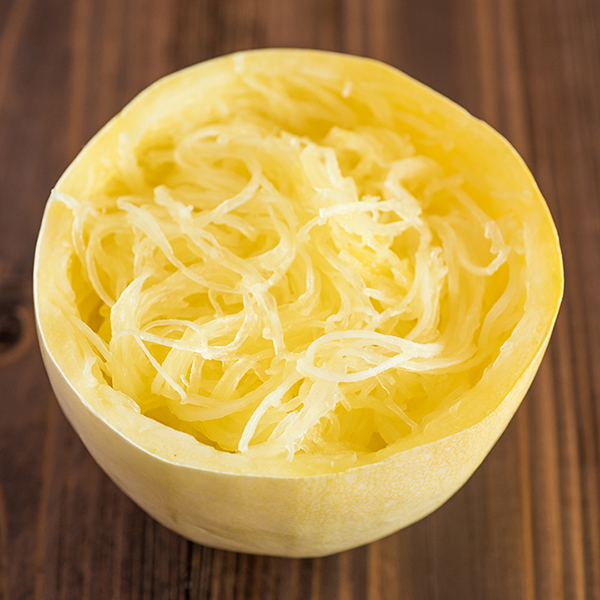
226 501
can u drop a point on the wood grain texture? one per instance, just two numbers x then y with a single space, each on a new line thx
527 525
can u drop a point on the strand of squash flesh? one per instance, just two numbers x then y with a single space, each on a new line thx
346 218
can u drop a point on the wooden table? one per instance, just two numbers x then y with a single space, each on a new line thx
527 525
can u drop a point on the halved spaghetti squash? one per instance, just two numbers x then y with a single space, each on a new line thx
290 299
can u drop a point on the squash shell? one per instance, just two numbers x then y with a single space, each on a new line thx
267 508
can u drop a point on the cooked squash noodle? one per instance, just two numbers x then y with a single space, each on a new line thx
313 282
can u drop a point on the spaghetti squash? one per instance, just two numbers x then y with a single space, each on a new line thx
289 299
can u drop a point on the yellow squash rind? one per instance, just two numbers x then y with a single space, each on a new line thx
222 500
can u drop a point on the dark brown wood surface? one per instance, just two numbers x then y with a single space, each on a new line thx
527 525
